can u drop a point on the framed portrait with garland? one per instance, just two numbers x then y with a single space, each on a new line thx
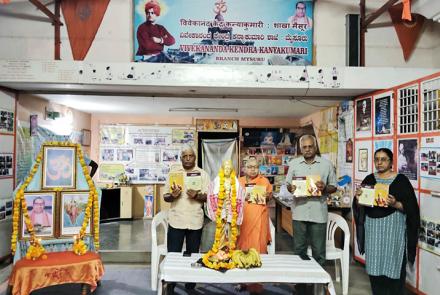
59 167
72 208
41 209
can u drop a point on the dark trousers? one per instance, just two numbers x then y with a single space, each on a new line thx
382 285
307 233
176 236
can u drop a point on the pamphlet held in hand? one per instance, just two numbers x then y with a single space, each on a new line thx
193 180
306 186
256 194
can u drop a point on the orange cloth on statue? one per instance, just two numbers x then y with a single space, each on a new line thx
58 268
255 229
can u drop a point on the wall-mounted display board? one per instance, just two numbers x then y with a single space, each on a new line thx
414 139
143 153
7 166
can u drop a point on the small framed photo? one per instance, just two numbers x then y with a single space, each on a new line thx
86 137
363 160
41 210
148 206
73 210
59 167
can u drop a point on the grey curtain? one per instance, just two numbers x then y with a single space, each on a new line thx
215 151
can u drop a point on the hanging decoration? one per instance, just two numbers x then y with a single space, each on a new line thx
83 19
408 29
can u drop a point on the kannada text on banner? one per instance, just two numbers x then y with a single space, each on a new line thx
270 32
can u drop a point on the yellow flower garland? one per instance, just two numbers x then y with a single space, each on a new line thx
36 250
219 223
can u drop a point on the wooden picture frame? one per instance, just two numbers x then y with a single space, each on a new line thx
45 215
59 167
72 211
86 137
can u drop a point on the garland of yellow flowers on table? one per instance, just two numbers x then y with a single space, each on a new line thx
219 222
36 250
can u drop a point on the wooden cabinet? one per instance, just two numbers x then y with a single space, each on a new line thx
126 202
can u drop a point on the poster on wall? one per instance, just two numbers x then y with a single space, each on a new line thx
6 165
143 153
112 135
387 144
382 112
429 235
269 32
184 136
363 114
430 162
407 158
6 121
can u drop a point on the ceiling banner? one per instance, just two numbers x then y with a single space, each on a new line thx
82 18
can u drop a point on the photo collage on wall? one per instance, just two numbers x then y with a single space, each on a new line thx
6 165
145 154
6 121
430 162
429 235
6 206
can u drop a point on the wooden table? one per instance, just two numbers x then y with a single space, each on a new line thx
58 268
275 269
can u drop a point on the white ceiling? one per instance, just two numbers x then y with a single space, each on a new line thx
249 107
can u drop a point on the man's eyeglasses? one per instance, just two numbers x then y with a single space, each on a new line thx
150 13
377 160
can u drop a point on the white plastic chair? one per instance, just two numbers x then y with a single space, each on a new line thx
333 253
271 247
157 251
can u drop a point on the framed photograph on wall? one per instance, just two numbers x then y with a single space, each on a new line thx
86 137
72 211
363 114
363 160
6 165
41 210
148 206
59 167
383 110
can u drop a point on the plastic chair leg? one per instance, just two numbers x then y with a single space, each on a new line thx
338 263
154 271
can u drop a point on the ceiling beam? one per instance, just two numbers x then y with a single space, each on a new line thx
378 13
55 20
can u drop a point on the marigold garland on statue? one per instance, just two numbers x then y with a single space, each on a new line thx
225 261
36 250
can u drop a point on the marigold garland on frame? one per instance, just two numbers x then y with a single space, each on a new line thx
36 250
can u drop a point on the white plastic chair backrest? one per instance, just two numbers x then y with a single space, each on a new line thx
334 221
159 219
